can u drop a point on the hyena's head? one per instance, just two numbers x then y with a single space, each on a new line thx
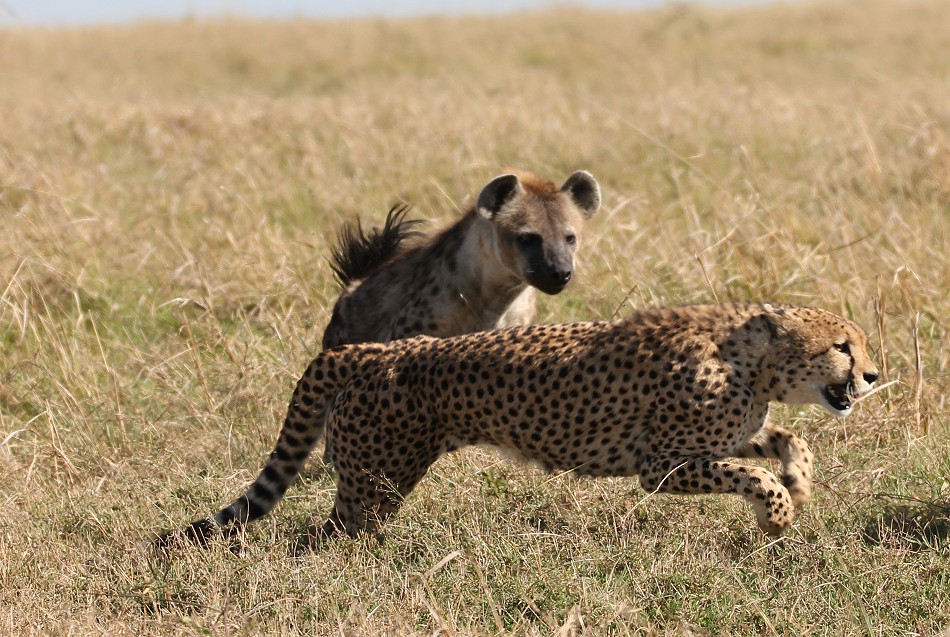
536 224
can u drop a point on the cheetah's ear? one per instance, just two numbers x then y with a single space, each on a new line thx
583 189
496 194
780 321
773 310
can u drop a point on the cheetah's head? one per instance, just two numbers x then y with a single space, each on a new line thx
823 359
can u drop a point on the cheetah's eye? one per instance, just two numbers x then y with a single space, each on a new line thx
844 348
528 240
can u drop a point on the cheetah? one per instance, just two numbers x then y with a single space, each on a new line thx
667 394
480 273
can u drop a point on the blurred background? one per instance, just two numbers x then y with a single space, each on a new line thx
67 12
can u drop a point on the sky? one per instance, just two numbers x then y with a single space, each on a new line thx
85 12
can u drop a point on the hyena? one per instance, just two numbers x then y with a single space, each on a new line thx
479 273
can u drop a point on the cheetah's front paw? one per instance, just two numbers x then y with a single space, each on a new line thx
776 513
798 488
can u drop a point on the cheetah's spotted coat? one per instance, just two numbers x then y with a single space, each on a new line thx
667 394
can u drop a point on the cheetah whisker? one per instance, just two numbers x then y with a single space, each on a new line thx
873 391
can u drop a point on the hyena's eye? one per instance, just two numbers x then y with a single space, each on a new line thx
844 348
570 239
528 240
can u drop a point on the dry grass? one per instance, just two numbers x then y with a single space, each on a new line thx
167 195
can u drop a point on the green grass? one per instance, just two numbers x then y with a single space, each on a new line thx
169 194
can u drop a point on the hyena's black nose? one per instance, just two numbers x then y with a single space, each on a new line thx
553 278
870 377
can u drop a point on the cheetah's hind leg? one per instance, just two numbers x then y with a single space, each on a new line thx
365 499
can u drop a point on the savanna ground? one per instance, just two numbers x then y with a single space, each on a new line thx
169 194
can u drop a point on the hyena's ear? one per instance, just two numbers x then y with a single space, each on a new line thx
583 189
496 194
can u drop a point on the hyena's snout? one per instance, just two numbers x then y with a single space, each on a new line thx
553 275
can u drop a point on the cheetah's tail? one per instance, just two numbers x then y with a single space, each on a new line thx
303 427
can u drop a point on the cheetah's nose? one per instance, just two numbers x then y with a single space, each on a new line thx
870 377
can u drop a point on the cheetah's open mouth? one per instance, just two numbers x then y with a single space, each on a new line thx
841 397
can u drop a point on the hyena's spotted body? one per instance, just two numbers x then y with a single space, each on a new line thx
478 274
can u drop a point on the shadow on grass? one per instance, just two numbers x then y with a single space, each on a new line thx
920 526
